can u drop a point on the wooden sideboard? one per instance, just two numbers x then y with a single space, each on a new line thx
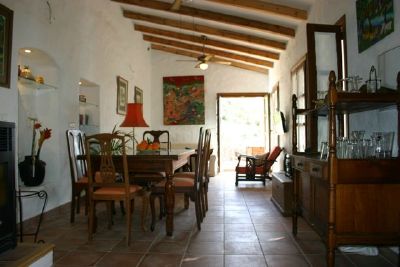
348 201
282 192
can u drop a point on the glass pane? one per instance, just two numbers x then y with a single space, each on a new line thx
301 138
326 60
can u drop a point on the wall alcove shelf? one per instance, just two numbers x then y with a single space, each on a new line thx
35 85
347 201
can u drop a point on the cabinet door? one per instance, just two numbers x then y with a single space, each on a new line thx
320 209
305 193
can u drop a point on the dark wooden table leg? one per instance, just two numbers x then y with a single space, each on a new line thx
169 204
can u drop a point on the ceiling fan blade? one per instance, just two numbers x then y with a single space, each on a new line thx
198 65
176 5
208 57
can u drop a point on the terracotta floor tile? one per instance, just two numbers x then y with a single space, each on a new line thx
242 248
120 259
212 227
161 260
203 260
286 261
241 236
206 248
279 247
207 237
239 227
134 246
78 258
245 260
98 245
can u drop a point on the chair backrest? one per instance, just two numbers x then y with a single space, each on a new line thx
103 168
206 153
164 142
199 154
273 155
76 147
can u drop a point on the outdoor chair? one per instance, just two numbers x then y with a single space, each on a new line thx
256 168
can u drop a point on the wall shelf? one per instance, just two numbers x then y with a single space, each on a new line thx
35 85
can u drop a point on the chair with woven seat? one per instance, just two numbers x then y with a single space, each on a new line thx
188 186
256 168
78 169
103 185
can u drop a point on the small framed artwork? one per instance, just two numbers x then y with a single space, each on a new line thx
375 20
122 95
138 95
6 23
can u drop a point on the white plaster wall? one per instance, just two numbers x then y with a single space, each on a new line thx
87 39
328 12
217 79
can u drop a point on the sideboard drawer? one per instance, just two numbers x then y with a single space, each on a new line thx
299 164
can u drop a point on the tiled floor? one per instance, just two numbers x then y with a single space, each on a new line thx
242 228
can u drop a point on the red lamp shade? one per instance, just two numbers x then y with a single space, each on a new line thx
134 116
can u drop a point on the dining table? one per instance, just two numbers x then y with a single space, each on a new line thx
165 161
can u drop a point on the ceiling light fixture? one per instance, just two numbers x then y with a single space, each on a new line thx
28 51
203 66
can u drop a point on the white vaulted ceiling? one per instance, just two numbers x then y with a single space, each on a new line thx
248 34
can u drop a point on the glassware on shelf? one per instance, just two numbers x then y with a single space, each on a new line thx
358 135
324 151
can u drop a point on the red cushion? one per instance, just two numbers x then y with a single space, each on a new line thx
242 170
274 154
116 190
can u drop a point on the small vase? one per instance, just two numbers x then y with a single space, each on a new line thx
32 175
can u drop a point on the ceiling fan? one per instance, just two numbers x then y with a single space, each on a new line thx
202 60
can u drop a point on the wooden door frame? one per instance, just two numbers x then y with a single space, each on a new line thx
219 96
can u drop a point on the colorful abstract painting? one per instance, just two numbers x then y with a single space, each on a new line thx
375 20
183 100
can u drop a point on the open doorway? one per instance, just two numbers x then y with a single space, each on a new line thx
243 126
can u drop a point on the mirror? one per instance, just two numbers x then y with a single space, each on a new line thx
388 67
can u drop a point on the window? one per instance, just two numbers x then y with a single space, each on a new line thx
298 88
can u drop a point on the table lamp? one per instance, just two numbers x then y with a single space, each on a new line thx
134 118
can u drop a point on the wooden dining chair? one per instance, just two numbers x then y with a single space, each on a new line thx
188 186
204 165
78 170
161 137
105 183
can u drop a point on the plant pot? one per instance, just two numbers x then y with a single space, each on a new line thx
32 175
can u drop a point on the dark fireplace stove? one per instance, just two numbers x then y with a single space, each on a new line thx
8 239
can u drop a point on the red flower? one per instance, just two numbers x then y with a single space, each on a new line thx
44 135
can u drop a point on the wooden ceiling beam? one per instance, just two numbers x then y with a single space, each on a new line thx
214 16
207 41
265 7
205 30
213 59
207 50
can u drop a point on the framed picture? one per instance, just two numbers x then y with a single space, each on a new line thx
138 95
122 95
375 20
6 21
183 100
